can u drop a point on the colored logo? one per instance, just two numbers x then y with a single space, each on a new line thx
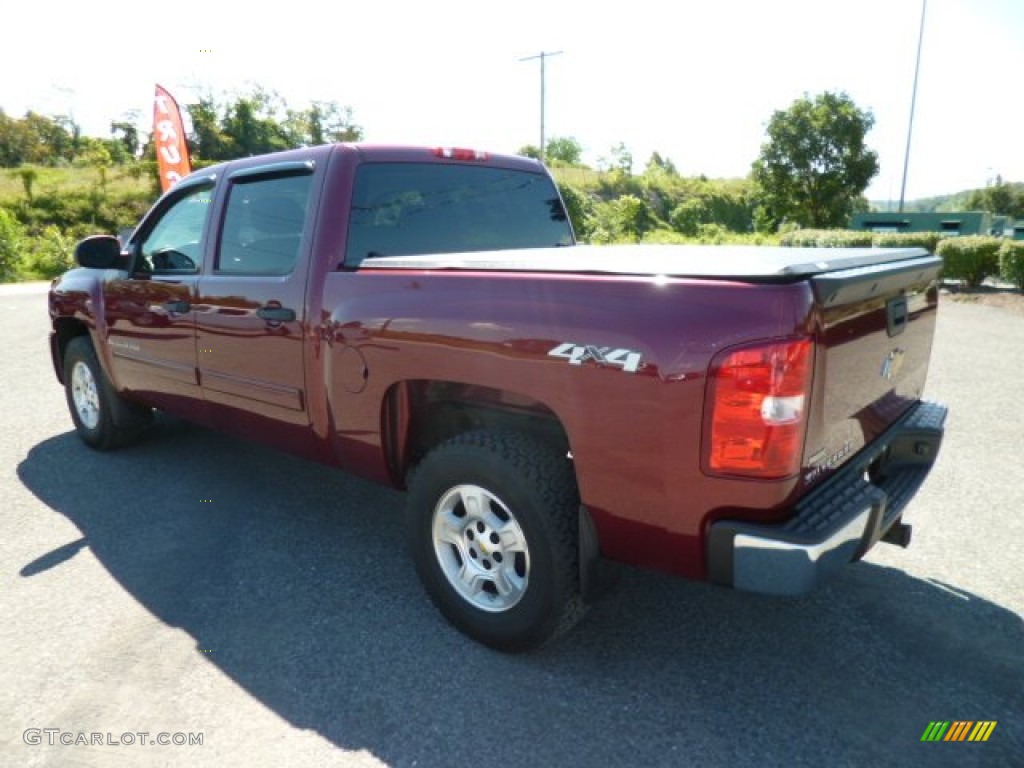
959 730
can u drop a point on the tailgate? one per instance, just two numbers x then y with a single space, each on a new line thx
875 330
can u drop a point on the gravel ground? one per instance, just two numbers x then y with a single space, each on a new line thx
283 622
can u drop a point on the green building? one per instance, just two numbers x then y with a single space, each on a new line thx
953 223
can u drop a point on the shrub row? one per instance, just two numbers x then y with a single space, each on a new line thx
826 238
927 240
1011 262
970 259
852 238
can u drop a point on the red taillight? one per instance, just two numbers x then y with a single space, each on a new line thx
456 153
758 398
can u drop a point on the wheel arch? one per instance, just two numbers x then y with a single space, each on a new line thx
64 330
419 414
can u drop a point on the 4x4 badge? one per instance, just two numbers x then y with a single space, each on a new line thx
576 354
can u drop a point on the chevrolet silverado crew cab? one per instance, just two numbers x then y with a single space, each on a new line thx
423 318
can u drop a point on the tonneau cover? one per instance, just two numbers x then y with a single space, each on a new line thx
732 262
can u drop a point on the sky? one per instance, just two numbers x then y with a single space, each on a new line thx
695 81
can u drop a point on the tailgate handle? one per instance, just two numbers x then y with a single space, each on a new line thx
896 314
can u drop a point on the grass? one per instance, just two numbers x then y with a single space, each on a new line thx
584 178
67 203
71 179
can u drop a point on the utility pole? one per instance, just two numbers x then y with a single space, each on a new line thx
913 101
543 55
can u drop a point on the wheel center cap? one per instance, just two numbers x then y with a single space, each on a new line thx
481 542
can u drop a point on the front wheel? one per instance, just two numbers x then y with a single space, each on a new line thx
493 528
102 418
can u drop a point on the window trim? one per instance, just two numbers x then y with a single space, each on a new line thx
286 168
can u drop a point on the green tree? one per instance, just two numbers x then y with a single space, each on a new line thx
564 149
208 140
815 165
15 141
690 215
619 159
337 122
998 197
261 122
623 220
73 131
125 133
37 139
323 122
251 125
658 164
529 150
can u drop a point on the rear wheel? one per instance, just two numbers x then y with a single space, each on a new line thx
102 418
493 528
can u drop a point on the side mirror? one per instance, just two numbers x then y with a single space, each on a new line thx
99 252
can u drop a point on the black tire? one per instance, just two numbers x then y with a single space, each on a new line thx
523 479
107 420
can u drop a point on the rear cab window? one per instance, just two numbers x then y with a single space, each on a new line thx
403 209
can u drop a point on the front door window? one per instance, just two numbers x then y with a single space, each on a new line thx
173 245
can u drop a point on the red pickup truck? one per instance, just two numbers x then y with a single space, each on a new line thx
423 318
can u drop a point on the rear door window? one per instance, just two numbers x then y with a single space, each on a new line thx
401 209
263 225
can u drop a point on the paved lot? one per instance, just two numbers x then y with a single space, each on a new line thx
283 621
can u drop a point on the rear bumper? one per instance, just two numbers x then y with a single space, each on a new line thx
836 523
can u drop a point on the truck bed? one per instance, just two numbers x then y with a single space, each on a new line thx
682 311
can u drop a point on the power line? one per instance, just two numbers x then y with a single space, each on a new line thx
543 55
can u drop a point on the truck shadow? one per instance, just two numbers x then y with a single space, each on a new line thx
296 579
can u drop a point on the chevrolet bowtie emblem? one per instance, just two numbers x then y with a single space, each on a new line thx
892 364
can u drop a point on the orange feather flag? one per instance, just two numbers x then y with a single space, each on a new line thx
169 136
